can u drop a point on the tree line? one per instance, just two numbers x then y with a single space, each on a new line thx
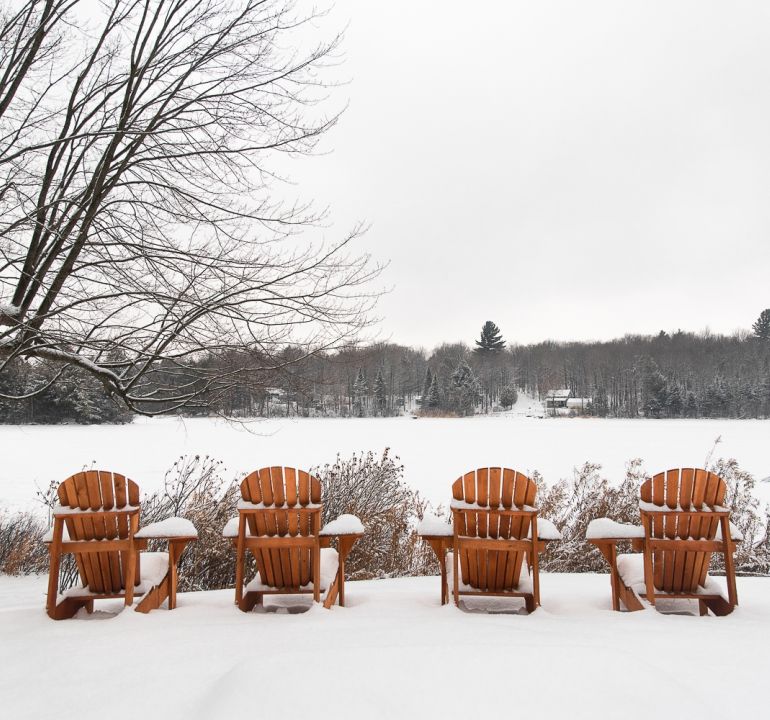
675 375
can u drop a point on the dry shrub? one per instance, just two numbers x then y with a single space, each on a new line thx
372 488
22 551
195 489
573 504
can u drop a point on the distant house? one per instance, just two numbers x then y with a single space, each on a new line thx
557 399
561 402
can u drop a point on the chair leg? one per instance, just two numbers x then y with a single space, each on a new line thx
54 551
455 578
317 572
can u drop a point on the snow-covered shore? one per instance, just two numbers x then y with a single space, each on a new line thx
394 652
434 451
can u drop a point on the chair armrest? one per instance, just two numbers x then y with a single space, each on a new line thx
434 527
344 525
173 528
608 530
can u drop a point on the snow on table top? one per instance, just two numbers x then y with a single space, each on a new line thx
546 530
168 528
345 524
230 529
433 525
607 528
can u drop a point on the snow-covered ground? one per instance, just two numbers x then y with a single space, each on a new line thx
394 652
434 451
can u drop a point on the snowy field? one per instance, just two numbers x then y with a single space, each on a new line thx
434 451
394 652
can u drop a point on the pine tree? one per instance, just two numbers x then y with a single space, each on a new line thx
508 396
465 390
434 399
691 405
360 391
654 390
491 340
761 327
426 385
599 403
674 402
380 393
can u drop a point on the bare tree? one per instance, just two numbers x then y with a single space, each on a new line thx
140 228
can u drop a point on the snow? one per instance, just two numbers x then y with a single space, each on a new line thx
345 524
433 525
248 505
606 528
168 528
463 505
66 510
652 507
231 528
631 569
329 566
435 451
546 530
153 569
386 655
65 536
9 309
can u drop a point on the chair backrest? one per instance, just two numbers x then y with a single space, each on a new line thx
99 490
289 503
479 496
697 492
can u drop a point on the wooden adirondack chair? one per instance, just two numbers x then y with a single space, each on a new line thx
279 522
684 523
99 510
494 532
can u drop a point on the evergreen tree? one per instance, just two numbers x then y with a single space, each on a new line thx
674 401
599 403
654 391
690 405
761 327
380 393
508 396
360 391
465 390
433 397
491 340
426 385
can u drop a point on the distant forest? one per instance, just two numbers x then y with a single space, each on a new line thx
674 375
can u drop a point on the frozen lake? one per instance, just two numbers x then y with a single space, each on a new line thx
434 451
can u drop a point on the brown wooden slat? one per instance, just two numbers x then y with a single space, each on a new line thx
315 489
277 485
304 488
93 487
290 480
509 477
266 485
469 487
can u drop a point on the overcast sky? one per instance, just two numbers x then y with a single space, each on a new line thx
570 170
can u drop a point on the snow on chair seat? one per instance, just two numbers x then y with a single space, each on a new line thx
279 522
98 522
684 522
491 537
